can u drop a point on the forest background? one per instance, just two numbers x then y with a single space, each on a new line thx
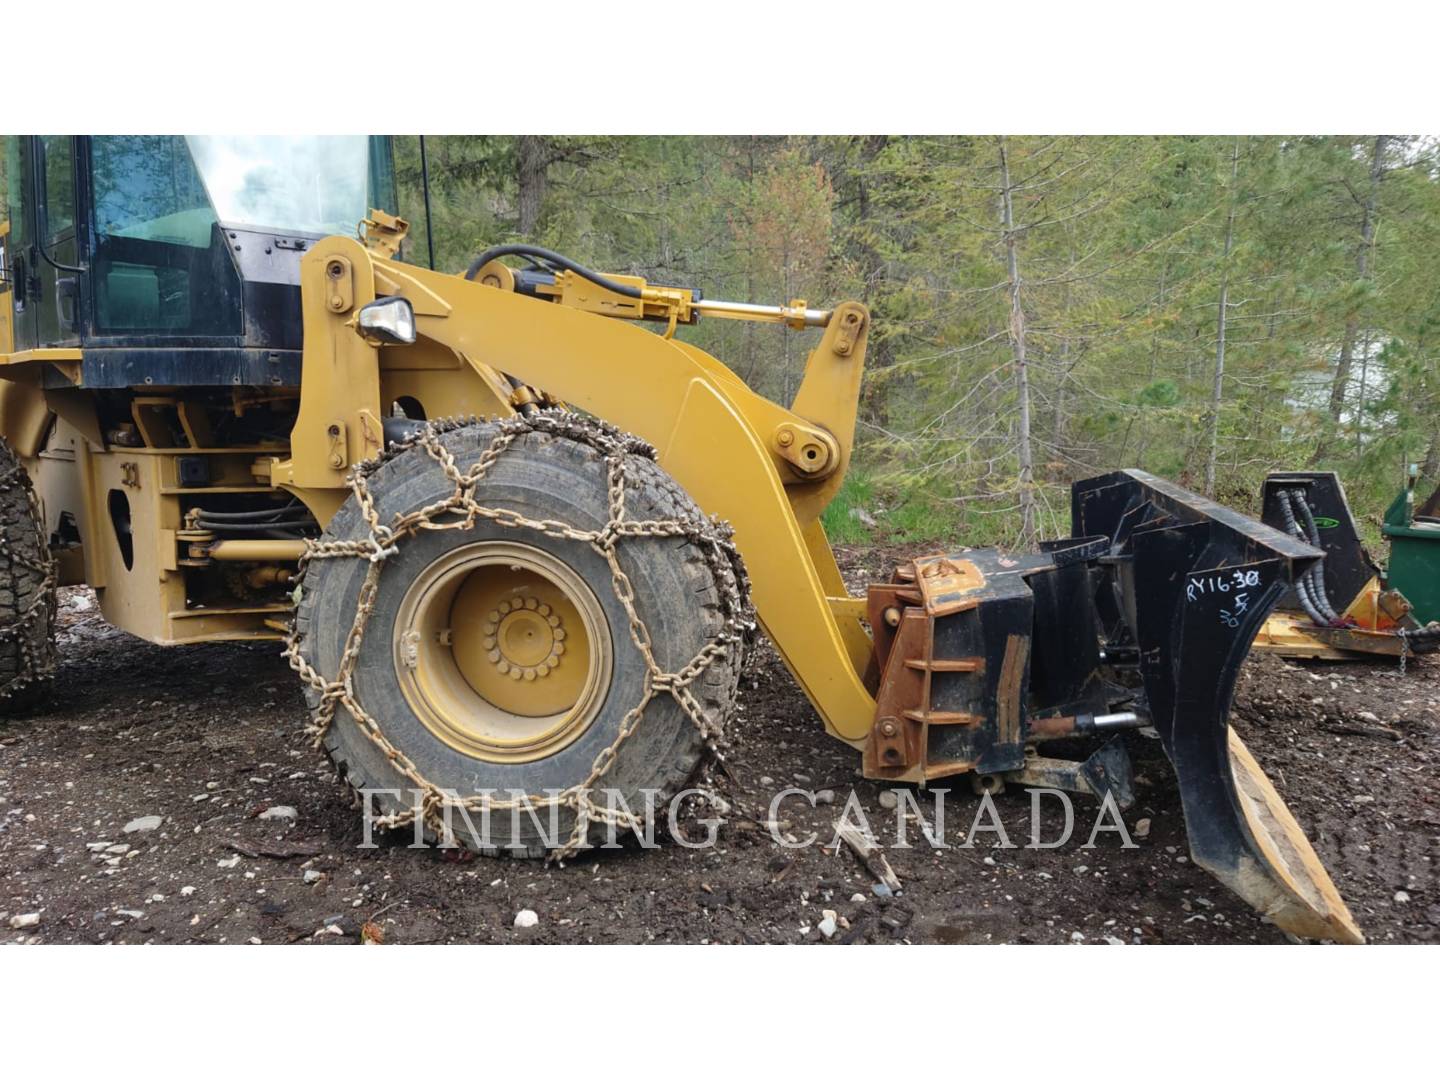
1208 308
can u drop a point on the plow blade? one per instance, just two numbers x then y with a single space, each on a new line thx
1189 584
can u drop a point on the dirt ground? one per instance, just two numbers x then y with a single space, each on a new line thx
208 738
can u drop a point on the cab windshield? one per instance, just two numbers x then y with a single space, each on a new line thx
311 184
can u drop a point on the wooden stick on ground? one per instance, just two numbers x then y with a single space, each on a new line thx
869 853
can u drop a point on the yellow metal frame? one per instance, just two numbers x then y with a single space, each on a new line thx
766 469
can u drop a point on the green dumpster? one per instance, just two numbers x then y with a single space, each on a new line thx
1414 538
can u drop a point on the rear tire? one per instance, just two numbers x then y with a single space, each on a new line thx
27 593
443 694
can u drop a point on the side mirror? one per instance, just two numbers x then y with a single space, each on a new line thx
387 321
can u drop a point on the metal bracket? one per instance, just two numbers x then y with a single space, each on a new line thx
809 450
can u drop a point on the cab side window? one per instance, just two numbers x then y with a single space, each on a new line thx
58 156
14 185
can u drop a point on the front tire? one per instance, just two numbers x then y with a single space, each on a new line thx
498 656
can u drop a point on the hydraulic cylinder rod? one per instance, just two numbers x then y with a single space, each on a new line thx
791 316
256 550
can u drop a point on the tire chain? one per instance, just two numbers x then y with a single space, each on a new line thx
37 659
459 510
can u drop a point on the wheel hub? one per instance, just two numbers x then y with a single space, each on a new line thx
503 651
525 638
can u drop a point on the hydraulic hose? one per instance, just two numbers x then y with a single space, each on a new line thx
552 260
1316 573
292 510
1303 582
1421 639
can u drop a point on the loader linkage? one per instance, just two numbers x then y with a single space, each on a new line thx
1142 618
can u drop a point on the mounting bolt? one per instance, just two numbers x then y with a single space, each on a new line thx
889 728
892 616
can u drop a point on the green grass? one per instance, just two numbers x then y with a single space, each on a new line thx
841 526
901 517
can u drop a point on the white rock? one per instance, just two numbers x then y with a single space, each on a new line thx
1142 829
824 797
23 922
1402 897
1077 936
889 800
525 918
130 913
280 813
229 864
149 823
828 924
98 846
1081 870
256 941
188 890
117 849
312 876
1113 940
212 785
858 898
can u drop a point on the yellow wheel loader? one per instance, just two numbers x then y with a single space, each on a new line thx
230 408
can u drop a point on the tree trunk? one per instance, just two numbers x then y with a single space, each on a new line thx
1217 390
1430 468
1360 408
1362 272
1028 524
533 152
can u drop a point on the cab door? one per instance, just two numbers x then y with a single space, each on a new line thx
19 264
57 314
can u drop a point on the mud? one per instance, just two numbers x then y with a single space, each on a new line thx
210 737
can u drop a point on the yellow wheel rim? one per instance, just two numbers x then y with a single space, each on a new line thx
502 651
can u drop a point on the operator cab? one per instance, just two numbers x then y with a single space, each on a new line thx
175 259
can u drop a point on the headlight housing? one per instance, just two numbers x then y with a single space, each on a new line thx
388 321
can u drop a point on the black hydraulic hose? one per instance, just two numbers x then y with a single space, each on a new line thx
1312 532
1302 583
553 258
1316 573
1311 593
252 515
1421 639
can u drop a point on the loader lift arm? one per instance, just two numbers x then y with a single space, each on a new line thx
766 469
